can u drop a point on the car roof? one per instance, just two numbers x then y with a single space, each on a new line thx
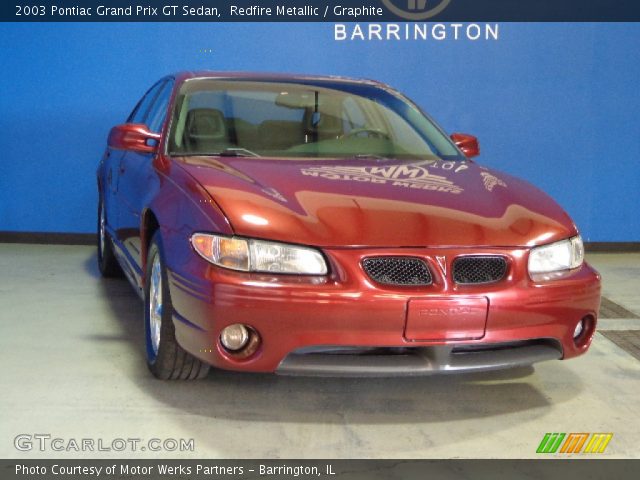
263 76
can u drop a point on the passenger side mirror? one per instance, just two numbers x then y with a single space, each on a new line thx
134 137
467 143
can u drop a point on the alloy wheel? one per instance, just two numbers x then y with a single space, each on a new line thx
155 303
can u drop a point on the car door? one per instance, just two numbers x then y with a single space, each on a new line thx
111 164
137 178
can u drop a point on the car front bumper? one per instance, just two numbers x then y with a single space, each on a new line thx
346 325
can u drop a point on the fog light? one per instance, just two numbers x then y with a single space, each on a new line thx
579 329
583 333
234 337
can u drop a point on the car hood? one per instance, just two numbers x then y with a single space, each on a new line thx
373 203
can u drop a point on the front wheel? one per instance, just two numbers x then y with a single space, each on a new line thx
166 359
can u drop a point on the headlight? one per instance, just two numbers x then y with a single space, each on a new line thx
250 255
559 256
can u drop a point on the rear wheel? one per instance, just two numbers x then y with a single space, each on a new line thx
107 261
166 359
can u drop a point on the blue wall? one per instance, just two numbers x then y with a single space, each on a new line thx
557 104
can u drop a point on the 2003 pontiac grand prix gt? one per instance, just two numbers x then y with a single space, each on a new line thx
325 226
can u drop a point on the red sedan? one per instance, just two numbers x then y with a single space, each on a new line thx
311 225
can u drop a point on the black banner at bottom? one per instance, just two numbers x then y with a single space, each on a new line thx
313 469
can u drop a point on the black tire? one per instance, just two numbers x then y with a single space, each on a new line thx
107 262
166 360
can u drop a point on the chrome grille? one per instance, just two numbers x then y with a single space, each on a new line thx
401 271
479 269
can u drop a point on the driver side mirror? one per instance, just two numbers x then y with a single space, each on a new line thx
467 143
134 137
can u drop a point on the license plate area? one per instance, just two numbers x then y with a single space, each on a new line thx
446 318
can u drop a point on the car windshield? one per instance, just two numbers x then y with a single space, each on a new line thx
302 119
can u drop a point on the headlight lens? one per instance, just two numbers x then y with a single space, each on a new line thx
559 256
250 255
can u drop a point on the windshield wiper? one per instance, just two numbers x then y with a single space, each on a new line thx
370 156
236 152
229 152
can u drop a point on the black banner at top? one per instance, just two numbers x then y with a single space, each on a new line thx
320 10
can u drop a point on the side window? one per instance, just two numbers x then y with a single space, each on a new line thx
158 111
139 114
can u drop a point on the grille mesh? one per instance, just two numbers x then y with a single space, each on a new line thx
403 271
475 270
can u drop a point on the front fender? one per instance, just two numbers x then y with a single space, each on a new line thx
179 207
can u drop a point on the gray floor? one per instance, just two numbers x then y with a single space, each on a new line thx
70 345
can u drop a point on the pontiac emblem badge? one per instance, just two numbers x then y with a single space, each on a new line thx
442 261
